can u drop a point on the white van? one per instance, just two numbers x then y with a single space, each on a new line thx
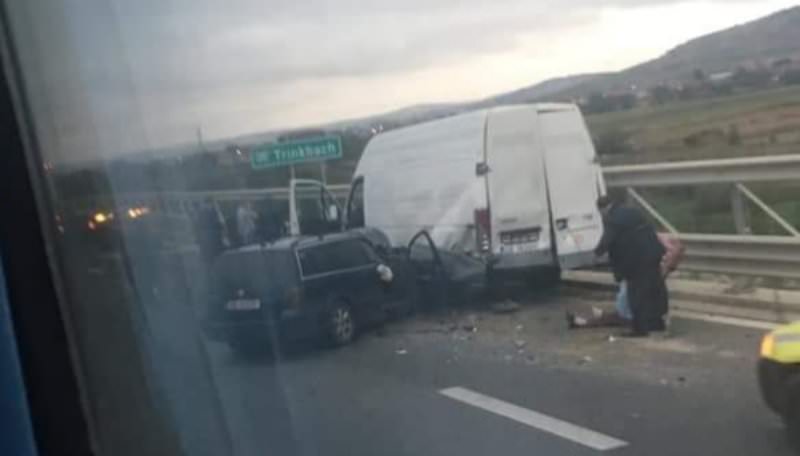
497 184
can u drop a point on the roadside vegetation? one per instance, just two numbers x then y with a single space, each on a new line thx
765 122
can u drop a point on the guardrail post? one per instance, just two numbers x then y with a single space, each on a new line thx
741 212
633 194
768 210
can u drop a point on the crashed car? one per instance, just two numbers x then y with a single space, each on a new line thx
779 376
331 286
444 278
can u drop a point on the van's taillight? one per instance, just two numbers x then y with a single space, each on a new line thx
293 297
483 230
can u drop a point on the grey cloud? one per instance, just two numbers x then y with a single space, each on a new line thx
168 64
281 40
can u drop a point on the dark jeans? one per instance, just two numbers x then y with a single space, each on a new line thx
647 294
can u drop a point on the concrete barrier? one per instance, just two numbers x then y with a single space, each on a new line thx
713 298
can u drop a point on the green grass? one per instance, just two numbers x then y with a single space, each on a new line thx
768 123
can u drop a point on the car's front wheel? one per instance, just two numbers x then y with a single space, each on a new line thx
341 324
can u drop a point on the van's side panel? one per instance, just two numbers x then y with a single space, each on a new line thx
574 180
517 188
423 177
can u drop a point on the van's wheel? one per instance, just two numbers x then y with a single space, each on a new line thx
341 324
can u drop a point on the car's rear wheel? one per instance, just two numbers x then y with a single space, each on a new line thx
341 324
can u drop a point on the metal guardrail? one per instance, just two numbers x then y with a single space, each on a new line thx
743 253
771 256
767 256
723 171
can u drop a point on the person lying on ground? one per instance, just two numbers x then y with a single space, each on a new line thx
622 316
635 255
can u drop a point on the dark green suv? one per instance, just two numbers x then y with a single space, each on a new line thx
296 288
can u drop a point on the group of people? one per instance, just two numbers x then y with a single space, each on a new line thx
640 260
250 223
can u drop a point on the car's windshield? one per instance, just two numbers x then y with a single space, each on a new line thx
351 227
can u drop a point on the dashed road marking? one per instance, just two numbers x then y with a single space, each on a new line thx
560 428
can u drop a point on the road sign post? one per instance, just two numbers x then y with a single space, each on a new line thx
296 152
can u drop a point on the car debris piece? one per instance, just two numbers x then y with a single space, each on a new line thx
471 325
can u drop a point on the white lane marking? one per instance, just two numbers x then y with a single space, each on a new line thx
537 420
733 321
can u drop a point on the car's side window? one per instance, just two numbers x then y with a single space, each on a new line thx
354 254
370 252
335 257
311 261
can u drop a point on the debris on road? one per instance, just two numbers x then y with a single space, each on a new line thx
520 344
471 325
519 328
612 338
585 360
506 306
401 351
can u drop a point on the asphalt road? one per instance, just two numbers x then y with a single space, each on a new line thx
540 390
525 385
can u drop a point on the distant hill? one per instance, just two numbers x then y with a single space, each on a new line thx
425 112
754 43
542 90
757 42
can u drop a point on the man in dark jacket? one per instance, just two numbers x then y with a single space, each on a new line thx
635 254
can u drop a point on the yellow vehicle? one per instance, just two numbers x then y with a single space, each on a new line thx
779 376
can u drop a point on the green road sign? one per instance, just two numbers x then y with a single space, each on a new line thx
294 152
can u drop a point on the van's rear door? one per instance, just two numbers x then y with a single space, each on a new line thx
574 182
517 189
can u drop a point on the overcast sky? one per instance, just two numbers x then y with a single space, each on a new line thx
112 76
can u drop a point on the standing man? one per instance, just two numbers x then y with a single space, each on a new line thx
635 253
246 218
